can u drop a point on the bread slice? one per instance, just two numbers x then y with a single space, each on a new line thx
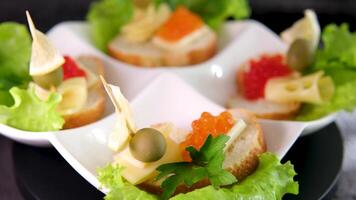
95 106
150 55
241 158
265 109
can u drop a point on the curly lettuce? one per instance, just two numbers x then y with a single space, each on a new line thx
15 52
31 113
106 17
271 180
338 59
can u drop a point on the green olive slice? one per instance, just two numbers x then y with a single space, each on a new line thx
148 145
53 78
300 54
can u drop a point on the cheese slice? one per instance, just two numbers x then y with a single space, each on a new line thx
314 88
235 131
44 56
145 23
136 171
74 95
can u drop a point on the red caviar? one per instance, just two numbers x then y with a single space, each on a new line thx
181 23
206 125
260 71
71 69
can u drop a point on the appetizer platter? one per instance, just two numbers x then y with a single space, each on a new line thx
189 106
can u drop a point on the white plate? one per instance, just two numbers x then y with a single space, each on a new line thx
85 149
215 79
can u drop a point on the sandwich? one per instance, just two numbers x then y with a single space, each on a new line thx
161 37
160 33
164 161
75 79
272 86
55 91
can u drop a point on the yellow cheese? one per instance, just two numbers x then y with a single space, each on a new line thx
136 171
145 23
314 88
74 95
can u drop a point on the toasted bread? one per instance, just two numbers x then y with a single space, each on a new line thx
95 106
241 158
265 109
149 55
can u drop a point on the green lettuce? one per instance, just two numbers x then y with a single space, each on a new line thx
271 180
106 17
30 113
15 52
214 12
338 59
110 177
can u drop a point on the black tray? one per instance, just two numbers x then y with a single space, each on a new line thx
42 173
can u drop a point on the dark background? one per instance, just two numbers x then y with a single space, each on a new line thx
276 14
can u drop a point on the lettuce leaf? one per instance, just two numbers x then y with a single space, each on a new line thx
15 52
110 177
106 17
30 113
214 12
271 180
339 51
338 59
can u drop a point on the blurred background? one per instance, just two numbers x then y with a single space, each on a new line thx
276 14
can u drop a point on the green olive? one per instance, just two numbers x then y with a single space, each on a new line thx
141 3
53 78
148 145
300 54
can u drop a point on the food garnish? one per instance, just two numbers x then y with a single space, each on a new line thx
125 125
206 125
313 88
106 18
145 23
337 59
307 28
44 56
181 23
71 69
15 50
206 163
74 95
271 180
300 54
136 171
259 71
50 80
148 145
31 113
